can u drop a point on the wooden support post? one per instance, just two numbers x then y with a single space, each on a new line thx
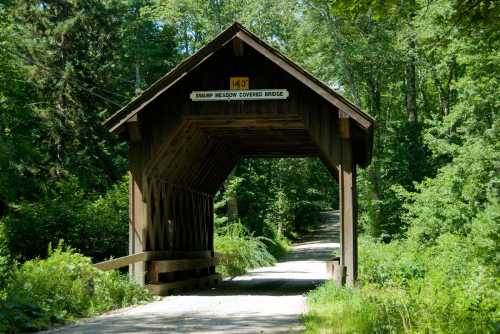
137 222
134 129
348 204
210 230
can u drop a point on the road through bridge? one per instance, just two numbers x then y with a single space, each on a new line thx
268 300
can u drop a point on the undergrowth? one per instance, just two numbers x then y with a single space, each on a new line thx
63 287
239 251
442 289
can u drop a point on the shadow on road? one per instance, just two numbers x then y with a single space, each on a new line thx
294 274
190 323
266 300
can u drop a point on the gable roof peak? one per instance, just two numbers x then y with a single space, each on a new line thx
236 30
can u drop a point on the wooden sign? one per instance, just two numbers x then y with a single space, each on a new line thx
237 95
239 83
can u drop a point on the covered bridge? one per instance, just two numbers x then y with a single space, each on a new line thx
236 97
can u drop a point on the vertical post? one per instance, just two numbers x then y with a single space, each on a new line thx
210 230
136 227
131 235
348 203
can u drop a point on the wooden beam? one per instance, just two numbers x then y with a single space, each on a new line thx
247 115
166 266
348 213
344 125
134 129
150 256
164 289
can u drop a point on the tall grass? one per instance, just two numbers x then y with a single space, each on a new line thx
405 288
343 310
239 251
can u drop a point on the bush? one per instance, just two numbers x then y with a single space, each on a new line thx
443 277
239 251
307 215
61 288
96 227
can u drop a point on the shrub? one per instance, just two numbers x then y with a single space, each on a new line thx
239 251
307 215
96 227
444 274
60 288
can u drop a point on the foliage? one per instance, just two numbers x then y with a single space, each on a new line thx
60 288
97 227
64 67
269 202
355 310
446 288
447 203
239 251
277 197
442 275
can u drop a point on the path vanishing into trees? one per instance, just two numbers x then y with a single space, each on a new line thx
266 300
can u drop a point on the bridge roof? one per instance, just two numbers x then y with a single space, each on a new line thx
116 122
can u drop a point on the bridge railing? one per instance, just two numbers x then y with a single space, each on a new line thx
124 261
171 270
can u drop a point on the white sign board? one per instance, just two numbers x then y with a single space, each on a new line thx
231 95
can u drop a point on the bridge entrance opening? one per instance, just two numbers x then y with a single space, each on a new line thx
236 97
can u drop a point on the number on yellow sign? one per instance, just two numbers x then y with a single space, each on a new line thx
239 83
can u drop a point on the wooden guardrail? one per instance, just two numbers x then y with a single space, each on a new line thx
200 273
183 269
150 256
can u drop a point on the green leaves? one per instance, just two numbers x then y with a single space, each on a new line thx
66 285
96 227
239 251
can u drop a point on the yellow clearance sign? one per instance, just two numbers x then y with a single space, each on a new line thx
239 83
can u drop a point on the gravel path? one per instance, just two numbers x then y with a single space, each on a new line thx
266 300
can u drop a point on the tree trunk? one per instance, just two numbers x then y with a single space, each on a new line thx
232 202
373 171
410 72
137 78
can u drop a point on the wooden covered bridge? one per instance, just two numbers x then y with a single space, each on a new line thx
236 97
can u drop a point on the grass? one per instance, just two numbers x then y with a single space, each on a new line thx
336 310
238 251
404 291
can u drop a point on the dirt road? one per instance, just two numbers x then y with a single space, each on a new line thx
267 300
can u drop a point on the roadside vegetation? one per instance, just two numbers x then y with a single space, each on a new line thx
442 276
427 71
64 286
429 255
